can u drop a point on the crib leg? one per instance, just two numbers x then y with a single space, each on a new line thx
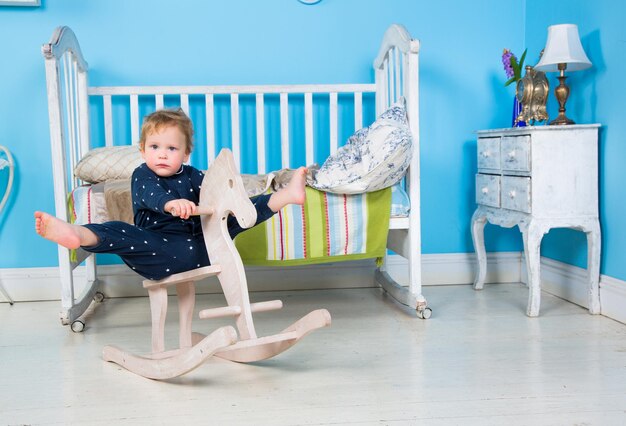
186 302
158 309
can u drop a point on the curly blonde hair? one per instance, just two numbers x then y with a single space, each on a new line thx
165 118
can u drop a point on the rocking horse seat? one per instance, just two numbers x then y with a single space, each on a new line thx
183 277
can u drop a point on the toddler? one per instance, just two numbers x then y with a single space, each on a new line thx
166 238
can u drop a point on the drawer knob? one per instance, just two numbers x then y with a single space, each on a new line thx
512 154
486 154
485 190
511 194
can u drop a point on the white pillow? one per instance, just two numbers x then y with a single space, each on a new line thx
108 163
374 157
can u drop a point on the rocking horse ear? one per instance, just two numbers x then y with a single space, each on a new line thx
226 155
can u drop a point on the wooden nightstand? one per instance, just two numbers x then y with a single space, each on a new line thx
539 178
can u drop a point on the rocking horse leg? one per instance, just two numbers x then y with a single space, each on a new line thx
158 310
186 302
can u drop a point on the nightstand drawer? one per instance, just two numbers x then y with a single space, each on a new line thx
488 190
516 193
489 153
515 153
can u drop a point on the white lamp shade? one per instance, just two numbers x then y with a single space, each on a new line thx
563 47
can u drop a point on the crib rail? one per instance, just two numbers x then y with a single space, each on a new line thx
327 96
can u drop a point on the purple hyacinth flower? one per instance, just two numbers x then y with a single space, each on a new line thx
506 61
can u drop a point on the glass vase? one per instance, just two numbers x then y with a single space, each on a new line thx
517 109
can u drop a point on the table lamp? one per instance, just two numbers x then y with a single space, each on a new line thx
563 51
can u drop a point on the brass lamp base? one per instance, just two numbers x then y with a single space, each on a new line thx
561 120
562 93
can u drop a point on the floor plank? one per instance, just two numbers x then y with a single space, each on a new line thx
478 361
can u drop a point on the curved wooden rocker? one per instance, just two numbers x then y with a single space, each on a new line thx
221 194
166 365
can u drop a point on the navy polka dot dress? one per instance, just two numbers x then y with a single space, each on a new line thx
160 244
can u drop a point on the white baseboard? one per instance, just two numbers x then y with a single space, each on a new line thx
563 280
31 284
613 298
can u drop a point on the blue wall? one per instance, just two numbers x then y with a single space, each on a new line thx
283 41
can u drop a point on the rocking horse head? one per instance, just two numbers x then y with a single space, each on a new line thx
223 191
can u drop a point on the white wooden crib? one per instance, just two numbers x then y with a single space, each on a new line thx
71 133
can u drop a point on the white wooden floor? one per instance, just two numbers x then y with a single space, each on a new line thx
478 361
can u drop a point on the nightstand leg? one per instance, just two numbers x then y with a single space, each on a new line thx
532 235
593 265
478 238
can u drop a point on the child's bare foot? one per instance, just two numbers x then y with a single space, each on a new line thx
54 229
295 187
293 193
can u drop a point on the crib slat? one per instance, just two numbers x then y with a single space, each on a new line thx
386 81
134 118
308 125
392 82
108 121
392 76
284 129
184 103
358 111
260 132
69 103
333 122
83 102
77 112
234 122
159 103
405 75
398 79
210 127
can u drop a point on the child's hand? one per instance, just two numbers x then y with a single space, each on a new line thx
182 208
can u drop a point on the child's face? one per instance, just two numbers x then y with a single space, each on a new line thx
165 151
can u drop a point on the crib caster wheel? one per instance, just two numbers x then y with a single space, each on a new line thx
98 297
425 313
77 326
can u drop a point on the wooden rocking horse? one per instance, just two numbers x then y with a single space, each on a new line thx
222 193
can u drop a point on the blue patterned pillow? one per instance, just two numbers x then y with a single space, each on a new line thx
400 204
373 158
